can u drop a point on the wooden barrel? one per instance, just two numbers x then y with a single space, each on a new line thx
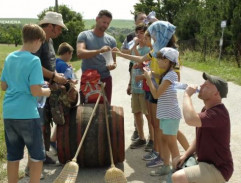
95 150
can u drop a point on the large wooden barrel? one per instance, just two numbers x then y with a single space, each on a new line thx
95 150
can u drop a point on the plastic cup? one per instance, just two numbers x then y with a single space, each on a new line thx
108 57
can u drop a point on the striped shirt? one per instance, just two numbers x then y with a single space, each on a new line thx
167 104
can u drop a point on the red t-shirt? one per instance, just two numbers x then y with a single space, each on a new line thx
213 139
145 86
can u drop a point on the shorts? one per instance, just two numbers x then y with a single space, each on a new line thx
204 172
41 114
147 95
21 132
150 98
138 103
169 126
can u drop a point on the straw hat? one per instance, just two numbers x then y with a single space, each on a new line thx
53 18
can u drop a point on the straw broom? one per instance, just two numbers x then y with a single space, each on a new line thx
70 170
113 174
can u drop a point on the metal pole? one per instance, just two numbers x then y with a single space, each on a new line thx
220 44
56 6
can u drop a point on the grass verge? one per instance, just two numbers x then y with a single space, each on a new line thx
226 68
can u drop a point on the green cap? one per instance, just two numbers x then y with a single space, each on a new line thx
220 84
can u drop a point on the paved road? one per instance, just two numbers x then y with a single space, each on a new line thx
134 166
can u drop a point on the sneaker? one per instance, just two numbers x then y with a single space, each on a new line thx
49 160
149 146
163 170
150 156
138 143
135 136
155 162
53 145
26 171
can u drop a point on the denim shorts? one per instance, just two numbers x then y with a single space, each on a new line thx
21 132
169 126
41 114
150 98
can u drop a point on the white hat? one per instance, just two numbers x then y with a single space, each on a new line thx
170 53
53 18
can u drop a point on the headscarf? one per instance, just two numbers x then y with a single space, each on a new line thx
162 31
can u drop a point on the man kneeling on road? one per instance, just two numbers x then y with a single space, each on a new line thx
212 142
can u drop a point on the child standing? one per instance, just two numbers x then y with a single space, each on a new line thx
138 104
22 78
65 52
168 111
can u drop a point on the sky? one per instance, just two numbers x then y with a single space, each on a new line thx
120 9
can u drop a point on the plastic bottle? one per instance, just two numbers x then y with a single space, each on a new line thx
42 100
131 44
68 73
182 86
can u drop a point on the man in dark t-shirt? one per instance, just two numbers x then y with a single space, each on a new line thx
212 142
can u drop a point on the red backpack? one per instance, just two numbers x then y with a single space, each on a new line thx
90 86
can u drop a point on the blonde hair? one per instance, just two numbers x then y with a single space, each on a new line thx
65 48
32 32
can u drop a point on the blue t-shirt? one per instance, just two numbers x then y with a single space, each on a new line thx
63 67
137 87
93 42
21 70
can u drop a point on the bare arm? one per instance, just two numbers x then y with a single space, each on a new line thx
139 59
156 92
58 78
178 161
83 53
4 85
189 113
37 91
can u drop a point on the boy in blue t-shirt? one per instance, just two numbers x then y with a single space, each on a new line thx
65 52
22 78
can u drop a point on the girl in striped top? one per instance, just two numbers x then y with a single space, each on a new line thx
168 110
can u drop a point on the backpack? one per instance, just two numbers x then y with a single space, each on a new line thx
90 86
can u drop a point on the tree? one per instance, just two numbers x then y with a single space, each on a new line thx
72 20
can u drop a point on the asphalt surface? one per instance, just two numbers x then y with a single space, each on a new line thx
133 166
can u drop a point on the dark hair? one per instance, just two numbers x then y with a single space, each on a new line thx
141 27
32 32
105 13
137 14
65 48
172 42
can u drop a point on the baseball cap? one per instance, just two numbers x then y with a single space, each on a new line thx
53 18
170 53
220 84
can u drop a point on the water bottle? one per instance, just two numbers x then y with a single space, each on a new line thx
68 73
182 86
151 17
131 44
42 100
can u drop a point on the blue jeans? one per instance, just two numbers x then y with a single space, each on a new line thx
21 132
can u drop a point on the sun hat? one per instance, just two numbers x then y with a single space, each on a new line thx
53 18
170 53
162 31
220 84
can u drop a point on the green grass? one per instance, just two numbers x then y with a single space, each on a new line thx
226 68
5 50
18 20
89 23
